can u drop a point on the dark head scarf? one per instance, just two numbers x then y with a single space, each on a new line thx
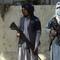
29 7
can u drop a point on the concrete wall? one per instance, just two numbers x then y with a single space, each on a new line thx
7 1
53 2
8 40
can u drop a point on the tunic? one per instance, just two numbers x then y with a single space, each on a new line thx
25 53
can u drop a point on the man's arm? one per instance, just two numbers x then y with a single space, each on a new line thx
38 34
37 39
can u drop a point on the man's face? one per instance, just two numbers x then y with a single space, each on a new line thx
25 12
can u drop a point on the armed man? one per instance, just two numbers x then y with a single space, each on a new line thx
54 34
31 27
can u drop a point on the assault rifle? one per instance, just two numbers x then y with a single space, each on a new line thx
13 26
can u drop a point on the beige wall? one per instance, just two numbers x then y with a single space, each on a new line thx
8 40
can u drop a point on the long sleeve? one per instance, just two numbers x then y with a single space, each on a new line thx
37 39
48 26
38 33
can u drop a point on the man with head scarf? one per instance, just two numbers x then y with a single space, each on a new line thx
54 34
31 27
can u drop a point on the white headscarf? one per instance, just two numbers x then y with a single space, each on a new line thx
57 12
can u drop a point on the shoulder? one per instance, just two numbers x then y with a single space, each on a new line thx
22 17
52 20
37 23
36 19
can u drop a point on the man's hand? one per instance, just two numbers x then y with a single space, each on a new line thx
53 32
18 34
35 49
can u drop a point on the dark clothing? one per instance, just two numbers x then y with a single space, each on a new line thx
33 27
